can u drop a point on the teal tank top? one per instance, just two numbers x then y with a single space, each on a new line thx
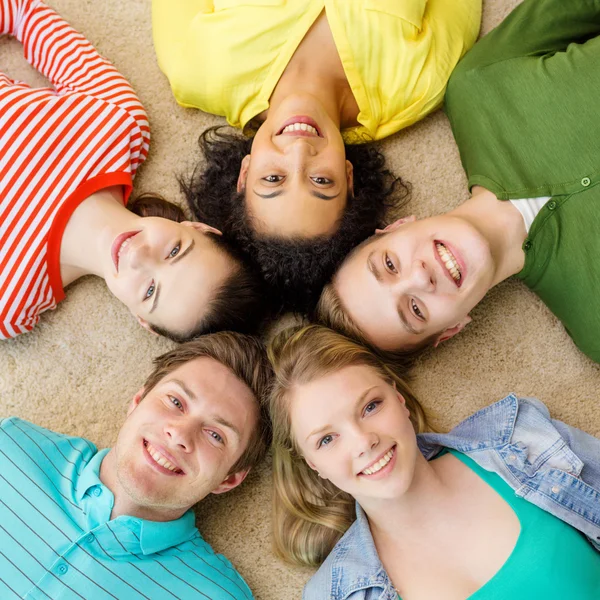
551 560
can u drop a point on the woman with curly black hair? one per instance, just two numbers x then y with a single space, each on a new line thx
306 78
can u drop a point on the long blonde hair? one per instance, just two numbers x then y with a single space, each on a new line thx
310 514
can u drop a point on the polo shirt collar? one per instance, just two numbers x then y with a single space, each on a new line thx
90 475
154 536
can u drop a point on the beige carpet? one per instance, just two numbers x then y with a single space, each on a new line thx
77 371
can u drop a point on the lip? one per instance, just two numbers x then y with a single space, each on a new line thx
459 260
155 465
382 472
300 119
116 245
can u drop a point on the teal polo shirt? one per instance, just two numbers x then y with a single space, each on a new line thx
523 106
57 540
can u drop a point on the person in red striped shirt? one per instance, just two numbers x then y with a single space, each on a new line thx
68 155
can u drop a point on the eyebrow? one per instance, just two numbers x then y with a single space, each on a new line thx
313 193
217 419
173 261
375 272
359 400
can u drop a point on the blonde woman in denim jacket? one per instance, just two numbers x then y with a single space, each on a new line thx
506 505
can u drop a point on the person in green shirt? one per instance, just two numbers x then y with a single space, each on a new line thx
518 104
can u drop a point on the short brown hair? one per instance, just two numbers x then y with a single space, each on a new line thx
245 357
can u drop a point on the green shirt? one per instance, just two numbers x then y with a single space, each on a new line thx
550 560
523 105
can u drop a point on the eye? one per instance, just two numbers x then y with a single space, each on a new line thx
176 402
321 180
372 406
215 436
416 310
150 291
389 263
175 250
325 440
272 178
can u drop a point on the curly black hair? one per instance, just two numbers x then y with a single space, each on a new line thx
237 305
294 270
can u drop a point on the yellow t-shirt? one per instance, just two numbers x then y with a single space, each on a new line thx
226 56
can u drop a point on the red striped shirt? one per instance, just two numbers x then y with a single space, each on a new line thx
58 146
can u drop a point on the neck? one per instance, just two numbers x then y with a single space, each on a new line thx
124 504
417 511
502 225
90 232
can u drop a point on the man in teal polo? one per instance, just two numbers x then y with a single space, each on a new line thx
76 522
523 109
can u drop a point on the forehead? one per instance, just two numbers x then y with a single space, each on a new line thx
331 396
213 386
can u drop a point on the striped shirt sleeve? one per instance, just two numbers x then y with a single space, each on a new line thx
71 63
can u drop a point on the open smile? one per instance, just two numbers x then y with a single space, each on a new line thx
120 244
453 269
381 466
300 126
158 458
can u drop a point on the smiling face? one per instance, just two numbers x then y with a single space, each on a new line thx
165 272
415 281
180 441
360 438
296 179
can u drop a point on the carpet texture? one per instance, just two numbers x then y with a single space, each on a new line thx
81 366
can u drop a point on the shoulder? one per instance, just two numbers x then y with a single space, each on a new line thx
352 564
34 439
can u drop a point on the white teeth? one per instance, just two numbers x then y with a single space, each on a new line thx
159 458
380 463
449 261
300 127
123 246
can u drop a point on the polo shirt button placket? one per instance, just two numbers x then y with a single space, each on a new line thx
585 182
90 538
97 492
62 569
552 205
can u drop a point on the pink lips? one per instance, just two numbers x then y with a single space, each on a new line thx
300 119
116 245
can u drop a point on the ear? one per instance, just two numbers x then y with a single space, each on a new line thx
393 226
452 331
230 482
135 401
201 227
350 177
145 325
241 182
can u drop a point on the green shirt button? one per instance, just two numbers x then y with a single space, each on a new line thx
586 181
527 245
551 205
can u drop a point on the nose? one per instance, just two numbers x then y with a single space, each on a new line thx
139 256
418 276
178 435
364 442
299 150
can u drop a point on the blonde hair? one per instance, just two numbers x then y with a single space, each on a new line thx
310 514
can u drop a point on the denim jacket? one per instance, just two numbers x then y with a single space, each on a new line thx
550 464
